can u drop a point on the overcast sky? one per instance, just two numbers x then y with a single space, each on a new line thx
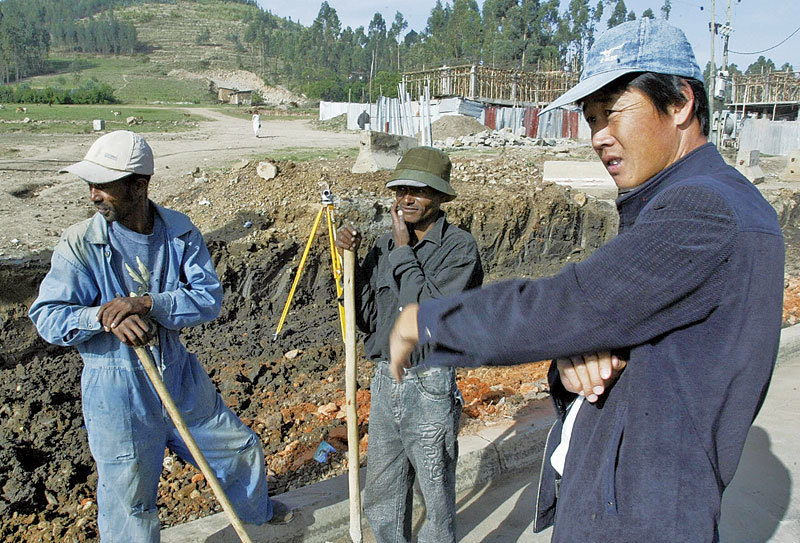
757 24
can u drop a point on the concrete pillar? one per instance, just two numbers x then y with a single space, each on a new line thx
473 82
747 164
792 171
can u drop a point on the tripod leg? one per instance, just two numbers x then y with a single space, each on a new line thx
336 265
298 273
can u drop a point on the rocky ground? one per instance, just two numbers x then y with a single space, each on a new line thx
290 391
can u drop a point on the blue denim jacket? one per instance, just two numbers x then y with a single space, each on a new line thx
81 279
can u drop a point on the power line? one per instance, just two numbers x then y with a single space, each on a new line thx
768 48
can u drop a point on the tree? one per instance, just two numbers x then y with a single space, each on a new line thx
397 28
666 9
203 37
618 15
324 39
761 65
24 38
648 14
464 31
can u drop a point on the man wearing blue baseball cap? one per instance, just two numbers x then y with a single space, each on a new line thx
689 294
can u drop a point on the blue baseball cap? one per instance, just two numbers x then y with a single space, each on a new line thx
646 45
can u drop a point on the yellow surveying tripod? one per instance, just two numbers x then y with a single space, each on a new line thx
336 261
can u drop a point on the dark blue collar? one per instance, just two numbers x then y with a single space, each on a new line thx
703 159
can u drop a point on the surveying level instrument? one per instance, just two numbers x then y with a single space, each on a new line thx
336 261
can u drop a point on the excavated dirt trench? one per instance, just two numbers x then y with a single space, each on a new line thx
289 391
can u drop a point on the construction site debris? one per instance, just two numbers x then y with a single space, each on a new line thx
747 162
267 170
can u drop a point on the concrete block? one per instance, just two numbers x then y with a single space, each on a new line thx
98 124
792 171
747 164
380 151
589 177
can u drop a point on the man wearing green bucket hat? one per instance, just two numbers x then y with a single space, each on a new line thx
413 425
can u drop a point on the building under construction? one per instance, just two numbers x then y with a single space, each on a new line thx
774 95
491 85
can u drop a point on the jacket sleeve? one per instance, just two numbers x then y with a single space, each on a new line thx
197 295
459 271
64 312
655 277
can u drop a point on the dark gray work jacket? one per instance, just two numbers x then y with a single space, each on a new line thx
444 262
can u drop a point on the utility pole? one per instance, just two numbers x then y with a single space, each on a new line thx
726 31
713 74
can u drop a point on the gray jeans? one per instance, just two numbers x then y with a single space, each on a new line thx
413 429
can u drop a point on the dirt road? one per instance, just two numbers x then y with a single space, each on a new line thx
36 203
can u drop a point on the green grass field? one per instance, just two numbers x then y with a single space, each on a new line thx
134 79
77 119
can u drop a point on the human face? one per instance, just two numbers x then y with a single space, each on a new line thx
115 201
420 205
632 138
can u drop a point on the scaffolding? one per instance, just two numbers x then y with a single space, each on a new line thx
767 87
491 85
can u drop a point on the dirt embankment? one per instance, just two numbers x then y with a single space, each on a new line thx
289 391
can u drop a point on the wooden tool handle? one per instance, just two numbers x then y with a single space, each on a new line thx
351 383
155 377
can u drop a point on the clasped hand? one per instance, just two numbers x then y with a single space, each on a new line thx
126 319
589 375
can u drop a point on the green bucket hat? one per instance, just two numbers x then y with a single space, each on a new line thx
424 167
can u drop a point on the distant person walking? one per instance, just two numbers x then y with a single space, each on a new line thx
256 124
363 120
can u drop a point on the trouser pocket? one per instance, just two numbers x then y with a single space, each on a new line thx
106 399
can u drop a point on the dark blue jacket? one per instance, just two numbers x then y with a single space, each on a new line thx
690 293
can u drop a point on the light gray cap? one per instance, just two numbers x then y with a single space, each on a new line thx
113 156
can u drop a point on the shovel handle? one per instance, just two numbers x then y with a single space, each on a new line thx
155 377
351 383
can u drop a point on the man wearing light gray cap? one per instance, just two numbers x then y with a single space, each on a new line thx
132 245
689 294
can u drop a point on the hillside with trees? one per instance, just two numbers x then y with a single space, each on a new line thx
324 60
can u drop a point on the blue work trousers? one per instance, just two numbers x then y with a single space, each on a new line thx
128 429
413 430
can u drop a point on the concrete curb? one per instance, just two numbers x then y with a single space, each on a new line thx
322 510
498 451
